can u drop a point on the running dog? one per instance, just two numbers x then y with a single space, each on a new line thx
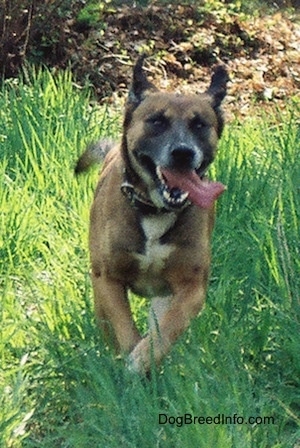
153 214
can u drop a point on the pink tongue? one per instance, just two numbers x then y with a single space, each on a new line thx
201 192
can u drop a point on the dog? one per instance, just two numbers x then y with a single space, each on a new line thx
153 214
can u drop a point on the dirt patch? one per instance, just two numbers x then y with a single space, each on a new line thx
262 54
183 43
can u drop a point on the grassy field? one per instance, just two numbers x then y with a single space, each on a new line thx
238 365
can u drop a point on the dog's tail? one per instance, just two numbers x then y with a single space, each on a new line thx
94 153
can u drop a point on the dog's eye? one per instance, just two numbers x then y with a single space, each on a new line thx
198 124
158 122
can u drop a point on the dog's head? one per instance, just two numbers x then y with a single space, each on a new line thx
170 139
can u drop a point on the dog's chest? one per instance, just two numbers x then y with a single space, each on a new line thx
153 259
156 253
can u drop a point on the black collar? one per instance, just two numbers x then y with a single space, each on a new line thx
139 201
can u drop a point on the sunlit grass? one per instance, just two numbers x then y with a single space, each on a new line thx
59 386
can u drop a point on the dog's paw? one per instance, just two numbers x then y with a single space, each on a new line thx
139 360
132 365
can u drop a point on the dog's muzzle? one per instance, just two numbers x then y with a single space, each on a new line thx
172 197
190 186
179 180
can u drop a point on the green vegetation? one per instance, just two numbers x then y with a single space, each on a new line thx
59 385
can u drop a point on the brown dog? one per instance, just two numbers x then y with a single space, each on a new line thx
153 214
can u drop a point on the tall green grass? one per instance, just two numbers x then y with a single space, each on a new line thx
59 385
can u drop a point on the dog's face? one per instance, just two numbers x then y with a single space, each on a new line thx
170 139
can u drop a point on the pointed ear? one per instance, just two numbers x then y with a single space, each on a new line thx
217 89
140 85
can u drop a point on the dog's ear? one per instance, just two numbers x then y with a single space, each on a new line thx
140 85
217 89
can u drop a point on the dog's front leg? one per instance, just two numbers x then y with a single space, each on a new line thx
113 312
170 316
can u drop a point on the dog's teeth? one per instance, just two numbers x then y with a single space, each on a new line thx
174 200
167 195
159 175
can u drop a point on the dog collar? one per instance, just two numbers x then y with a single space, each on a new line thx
139 201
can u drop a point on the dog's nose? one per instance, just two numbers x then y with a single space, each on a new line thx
182 157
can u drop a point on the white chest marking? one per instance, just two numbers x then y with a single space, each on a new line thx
155 255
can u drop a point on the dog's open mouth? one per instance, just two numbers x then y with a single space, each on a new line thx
177 187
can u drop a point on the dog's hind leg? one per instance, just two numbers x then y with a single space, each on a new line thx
113 313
